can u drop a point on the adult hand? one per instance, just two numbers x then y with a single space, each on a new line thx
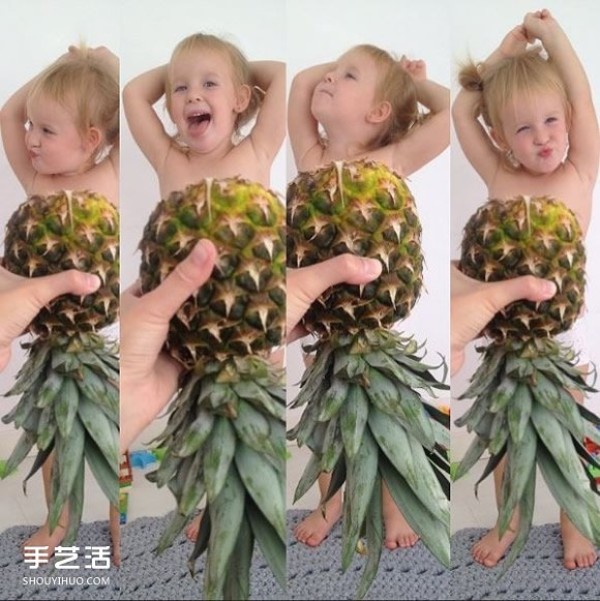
474 303
306 284
22 298
149 376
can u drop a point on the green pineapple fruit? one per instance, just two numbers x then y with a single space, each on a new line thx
225 437
364 420
523 409
70 381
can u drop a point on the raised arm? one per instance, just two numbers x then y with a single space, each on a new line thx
472 135
302 126
269 131
584 138
139 96
13 118
432 137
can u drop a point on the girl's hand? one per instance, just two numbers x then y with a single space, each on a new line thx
415 68
515 42
536 24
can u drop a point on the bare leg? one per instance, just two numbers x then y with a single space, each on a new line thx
42 537
115 533
398 532
313 529
490 548
193 528
578 551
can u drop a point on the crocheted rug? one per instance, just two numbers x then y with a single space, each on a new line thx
20 581
538 573
312 573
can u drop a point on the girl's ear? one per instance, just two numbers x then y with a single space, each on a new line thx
380 112
243 98
498 139
93 139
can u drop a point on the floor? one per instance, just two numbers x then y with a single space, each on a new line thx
147 500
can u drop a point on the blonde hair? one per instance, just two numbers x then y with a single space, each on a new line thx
239 66
84 84
396 87
527 73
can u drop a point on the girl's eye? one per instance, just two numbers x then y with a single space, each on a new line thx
350 75
180 88
210 84
47 131
551 119
522 128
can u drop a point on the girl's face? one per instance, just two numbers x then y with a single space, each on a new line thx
53 140
536 130
347 92
205 101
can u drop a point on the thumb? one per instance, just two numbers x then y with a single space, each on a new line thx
185 279
45 289
526 287
346 268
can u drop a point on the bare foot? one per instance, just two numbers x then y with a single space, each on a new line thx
579 552
490 548
193 528
42 538
398 532
313 529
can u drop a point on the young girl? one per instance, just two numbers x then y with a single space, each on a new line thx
367 106
542 139
211 91
61 131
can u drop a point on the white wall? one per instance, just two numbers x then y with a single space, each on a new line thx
476 35
421 32
34 34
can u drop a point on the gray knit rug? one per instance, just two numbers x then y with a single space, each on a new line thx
538 573
50 582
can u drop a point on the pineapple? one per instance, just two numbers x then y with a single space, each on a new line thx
523 408
364 420
225 437
69 383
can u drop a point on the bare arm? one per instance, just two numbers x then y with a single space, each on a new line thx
12 124
584 139
139 96
431 138
472 136
302 126
269 130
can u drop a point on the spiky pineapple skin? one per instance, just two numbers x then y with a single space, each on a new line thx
61 231
536 236
241 309
363 208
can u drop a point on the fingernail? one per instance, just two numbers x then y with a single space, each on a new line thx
371 267
92 282
548 288
199 252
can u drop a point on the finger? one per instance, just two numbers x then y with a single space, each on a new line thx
185 279
45 289
344 268
526 287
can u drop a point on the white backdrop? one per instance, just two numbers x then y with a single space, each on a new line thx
34 34
421 32
476 35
